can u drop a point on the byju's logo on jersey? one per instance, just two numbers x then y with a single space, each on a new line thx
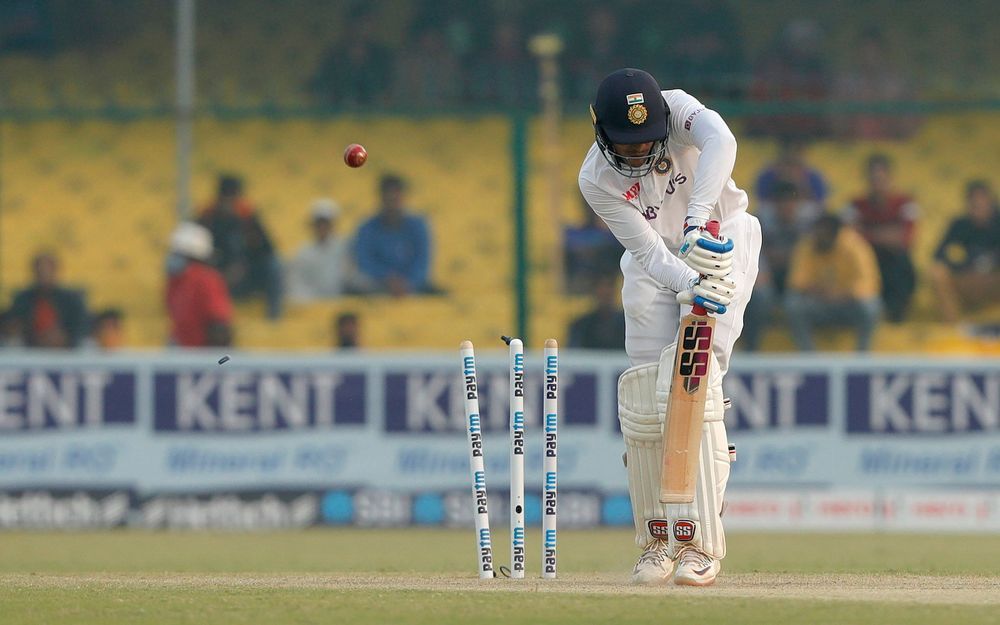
690 118
650 212
678 179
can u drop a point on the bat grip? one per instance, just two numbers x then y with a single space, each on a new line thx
713 228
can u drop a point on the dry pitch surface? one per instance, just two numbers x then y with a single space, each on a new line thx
425 576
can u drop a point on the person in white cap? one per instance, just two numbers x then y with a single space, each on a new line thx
201 312
320 269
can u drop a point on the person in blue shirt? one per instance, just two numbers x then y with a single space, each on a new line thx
392 249
791 167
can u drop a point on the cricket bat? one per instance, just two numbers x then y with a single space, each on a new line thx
686 406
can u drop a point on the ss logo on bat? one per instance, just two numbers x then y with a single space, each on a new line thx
693 361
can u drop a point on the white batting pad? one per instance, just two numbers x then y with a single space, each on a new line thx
642 429
642 398
700 523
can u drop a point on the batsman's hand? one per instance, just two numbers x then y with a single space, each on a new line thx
714 293
707 254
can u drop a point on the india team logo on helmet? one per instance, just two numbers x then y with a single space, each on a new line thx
637 114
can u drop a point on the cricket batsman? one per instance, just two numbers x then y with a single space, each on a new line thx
659 170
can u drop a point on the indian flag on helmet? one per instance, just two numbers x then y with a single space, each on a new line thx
634 98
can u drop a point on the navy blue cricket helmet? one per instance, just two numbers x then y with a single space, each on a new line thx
630 109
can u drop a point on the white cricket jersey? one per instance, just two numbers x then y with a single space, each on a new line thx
647 214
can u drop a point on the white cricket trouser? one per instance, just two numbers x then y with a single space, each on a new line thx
652 314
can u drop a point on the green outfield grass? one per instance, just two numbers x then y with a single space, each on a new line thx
427 576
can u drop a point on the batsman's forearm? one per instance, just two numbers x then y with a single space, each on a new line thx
663 266
715 164
635 234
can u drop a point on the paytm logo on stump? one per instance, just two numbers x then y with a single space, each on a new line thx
59 400
923 403
253 401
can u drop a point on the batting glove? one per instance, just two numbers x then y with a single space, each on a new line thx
706 254
714 293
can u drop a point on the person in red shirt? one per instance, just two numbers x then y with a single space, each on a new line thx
887 218
198 303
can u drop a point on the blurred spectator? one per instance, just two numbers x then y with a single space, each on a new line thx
50 315
320 269
604 326
791 167
760 312
967 262
393 248
589 251
833 281
873 77
460 23
347 331
357 70
794 70
198 304
505 74
784 220
599 49
705 51
25 26
428 74
11 336
243 249
107 331
887 218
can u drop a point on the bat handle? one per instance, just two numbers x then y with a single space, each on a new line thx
713 229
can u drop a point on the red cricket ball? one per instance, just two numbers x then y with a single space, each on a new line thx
355 155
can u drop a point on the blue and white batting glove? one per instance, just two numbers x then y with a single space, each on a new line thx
714 293
706 254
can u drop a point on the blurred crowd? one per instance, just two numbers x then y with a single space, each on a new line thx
854 266
371 55
822 267
227 254
451 57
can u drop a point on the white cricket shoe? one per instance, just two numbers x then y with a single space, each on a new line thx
695 568
654 565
